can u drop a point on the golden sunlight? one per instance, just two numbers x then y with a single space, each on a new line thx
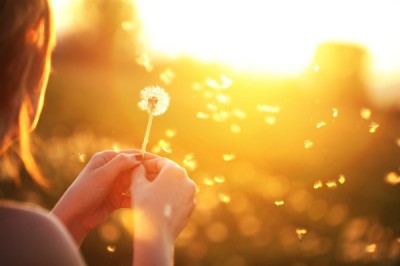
278 37
71 15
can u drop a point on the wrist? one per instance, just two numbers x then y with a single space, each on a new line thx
153 243
74 227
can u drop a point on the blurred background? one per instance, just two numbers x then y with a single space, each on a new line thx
285 113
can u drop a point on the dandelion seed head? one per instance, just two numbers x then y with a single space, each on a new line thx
154 100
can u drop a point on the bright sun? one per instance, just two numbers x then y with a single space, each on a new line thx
278 37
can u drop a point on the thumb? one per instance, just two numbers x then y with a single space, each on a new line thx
139 176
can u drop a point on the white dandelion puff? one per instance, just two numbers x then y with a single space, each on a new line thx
154 100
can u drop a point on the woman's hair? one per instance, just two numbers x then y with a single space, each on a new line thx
26 42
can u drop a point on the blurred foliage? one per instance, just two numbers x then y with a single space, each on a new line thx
291 171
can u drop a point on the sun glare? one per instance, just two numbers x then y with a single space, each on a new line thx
278 37
70 15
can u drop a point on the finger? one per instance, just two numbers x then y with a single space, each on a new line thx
126 201
117 165
147 155
139 176
101 158
157 164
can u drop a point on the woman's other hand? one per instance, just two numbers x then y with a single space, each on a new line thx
98 191
163 198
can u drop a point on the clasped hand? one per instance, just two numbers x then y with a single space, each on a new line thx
104 184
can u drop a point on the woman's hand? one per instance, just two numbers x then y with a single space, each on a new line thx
162 201
98 191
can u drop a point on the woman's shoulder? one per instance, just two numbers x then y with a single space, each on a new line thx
30 234
15 215
25 210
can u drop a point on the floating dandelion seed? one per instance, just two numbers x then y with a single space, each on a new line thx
116 147
111 248
212 107
223 99
223 197
235 128
190 162
308 144
342 179
335 112
155 101
226 82
268 109
145 61
331 184
316 68
370 248
365 113
170 133
270 120
197 86
398 142
239 113
82 157
373 127
208 182
228 156
321 124
212 83
318 185
392 178
201 115
301 232
127 25
219 179
167 76
279 202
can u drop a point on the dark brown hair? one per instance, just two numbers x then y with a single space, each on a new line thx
26 42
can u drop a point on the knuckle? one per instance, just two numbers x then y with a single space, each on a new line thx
192 186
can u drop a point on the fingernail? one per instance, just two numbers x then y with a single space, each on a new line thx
138 157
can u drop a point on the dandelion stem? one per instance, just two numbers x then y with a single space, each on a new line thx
146 136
